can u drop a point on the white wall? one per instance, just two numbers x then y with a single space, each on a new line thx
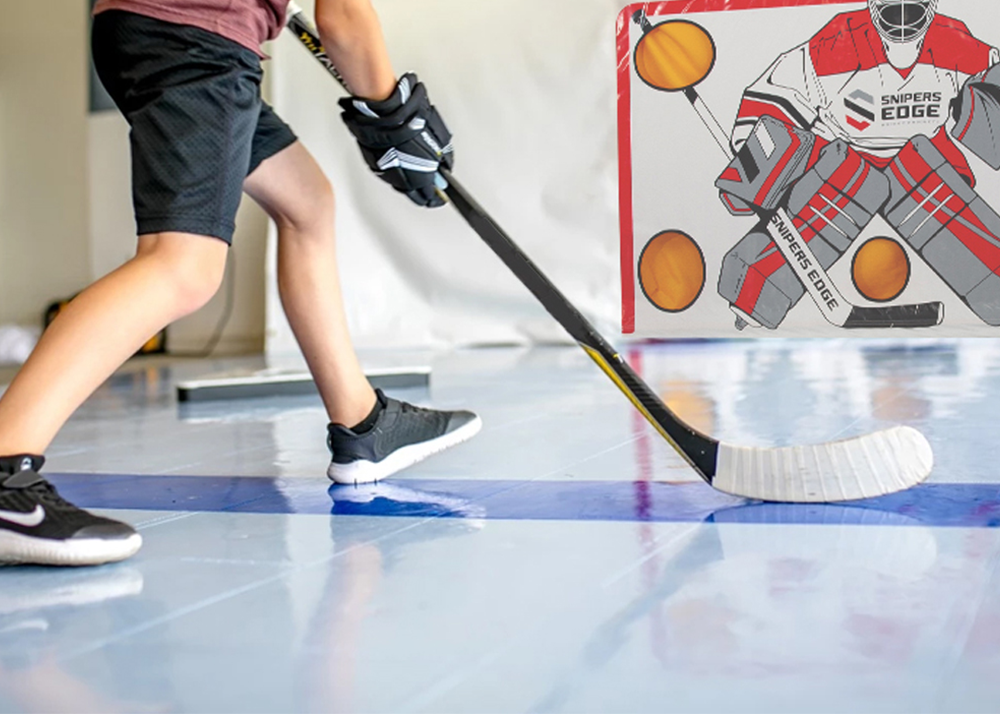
43 156
65 197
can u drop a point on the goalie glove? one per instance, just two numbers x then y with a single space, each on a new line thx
403 139
976 111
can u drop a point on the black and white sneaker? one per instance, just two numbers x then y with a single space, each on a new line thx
38 527
402 435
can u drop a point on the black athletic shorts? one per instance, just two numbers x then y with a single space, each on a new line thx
199 126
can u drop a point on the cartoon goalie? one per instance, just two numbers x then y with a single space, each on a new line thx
854 123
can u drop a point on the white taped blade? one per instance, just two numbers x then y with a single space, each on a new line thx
863 467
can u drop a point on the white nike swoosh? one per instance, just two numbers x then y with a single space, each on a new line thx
28 520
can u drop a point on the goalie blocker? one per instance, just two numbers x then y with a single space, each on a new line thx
830 204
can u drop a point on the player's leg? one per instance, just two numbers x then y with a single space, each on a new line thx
192 126
949 225
293 190
830 205
172 275
371 435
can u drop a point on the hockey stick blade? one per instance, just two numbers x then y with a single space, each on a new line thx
863 467
866 466
927 314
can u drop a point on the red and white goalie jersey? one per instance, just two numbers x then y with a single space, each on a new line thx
840 85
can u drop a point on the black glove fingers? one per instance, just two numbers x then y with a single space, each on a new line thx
403 139
427 197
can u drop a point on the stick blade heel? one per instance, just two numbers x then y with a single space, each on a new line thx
925 314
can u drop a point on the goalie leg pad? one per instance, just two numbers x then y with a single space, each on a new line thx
838 197
977 116
954 230
830 206
984 300
745 284
923 186
774 156
756 278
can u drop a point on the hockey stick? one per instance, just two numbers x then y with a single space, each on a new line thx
865 466
832 304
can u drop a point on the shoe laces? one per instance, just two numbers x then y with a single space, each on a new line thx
34 483
407 407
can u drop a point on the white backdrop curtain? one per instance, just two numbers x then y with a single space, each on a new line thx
528 89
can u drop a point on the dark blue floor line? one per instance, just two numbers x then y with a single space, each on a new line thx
941 505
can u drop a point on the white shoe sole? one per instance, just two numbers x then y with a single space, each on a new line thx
17 549
371 471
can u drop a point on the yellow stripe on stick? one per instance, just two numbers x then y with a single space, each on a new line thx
609 370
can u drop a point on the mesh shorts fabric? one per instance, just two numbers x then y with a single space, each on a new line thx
198 124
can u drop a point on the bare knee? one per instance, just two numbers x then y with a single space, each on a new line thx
190 266
309 212
292 188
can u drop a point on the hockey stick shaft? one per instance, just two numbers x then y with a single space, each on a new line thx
298 23
698 450
709 120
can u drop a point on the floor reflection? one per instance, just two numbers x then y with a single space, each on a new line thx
44 609
333 649
567 550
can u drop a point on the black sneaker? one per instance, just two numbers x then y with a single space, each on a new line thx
403 435
37 526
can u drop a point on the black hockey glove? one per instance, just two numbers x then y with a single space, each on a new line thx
403 139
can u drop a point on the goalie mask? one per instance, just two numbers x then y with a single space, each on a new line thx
902 25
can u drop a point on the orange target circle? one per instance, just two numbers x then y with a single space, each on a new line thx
880 269
672 271
675 55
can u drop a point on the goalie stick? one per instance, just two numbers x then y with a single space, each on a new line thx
870 465
832 304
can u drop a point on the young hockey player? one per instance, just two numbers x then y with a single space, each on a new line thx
852 124
186 75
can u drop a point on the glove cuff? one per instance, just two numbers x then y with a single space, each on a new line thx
388 106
